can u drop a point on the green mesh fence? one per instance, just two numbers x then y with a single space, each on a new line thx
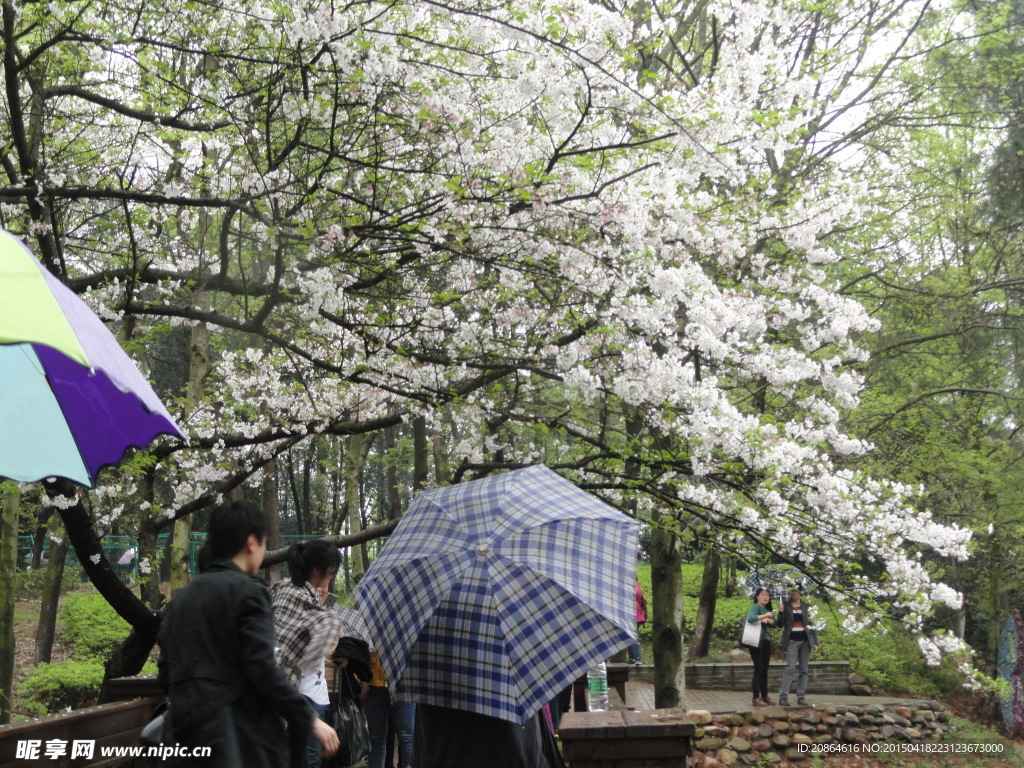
122 552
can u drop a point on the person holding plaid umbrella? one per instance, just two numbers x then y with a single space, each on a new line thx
490 597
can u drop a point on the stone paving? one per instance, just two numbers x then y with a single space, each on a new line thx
640 695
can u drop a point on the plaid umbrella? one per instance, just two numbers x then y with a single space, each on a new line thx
777 579
353 624
492 596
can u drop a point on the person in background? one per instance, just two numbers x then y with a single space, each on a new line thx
386 719
799 640
641 618
761 611
216 660
306 633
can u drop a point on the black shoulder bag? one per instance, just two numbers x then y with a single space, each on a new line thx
345 716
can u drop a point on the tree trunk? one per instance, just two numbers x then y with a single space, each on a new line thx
701 640
147 553
300 513
315 525
51 591
391 475
997 604
420 454
730 575
353 468
358 449
441 473
273 519
198 372
339 509
179 553
667 617
39 539
128 660
8 582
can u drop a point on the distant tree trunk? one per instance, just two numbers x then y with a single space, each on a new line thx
339 510
667 617
273 520
391 475
441 473
730 575
39 539
353 470
147 553
300 512
51 591
315 526
181 537
8 583
701 640
996 598
421 452
198 372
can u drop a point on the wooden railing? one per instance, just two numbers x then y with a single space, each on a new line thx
77 738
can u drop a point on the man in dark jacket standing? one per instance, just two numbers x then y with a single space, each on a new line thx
217 656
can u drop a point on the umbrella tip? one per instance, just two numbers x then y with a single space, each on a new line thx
483 548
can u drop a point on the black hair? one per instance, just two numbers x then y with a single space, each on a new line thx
759 590
306 556
230 526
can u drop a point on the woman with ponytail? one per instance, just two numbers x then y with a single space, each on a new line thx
306 632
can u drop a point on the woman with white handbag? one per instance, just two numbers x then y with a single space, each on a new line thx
755 640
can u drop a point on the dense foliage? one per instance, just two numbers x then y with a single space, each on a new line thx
609 237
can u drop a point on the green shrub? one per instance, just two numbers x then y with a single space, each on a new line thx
57 686
728 611
91 625
891 661
63 684
28 584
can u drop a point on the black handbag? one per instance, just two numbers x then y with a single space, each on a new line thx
345 716
158 730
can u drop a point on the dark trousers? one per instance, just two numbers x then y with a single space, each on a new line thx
760 656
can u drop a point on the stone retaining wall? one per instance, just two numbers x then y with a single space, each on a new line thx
774 733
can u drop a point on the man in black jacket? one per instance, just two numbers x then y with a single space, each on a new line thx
217 656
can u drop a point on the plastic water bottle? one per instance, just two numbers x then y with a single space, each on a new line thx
597 688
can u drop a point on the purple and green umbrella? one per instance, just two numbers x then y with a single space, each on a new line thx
71 400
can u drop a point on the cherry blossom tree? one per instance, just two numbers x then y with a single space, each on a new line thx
589 234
